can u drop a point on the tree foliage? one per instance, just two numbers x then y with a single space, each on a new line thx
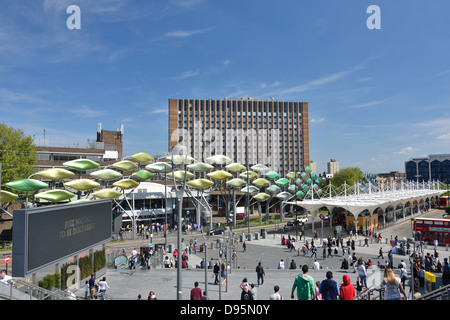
349 176
17 154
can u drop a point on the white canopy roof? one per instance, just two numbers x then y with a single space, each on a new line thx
357 203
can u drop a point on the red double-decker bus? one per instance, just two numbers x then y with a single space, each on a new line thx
443 202
430 229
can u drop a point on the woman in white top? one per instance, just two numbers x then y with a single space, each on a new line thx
102 285
393 286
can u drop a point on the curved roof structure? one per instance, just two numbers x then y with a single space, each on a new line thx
371 199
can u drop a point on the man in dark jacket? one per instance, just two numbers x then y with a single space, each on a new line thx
260 273
329 288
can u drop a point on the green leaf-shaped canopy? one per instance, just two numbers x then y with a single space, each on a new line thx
26 185
262 196
220 175
236 182
6 196
107 174
126 184
125 165
250 174
179 175
272 175
143 175
107 194
259 168
218 159
200 183
82 164
142 157
82 184
261 182
235 167
55 195
55 174
160 167
200 167
282 182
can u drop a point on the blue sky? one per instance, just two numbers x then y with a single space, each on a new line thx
376 97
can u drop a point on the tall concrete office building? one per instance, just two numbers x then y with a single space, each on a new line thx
247 130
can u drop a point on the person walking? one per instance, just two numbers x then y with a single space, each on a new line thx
403 274
366 242
102 285
92 284
393 286
362 273
223 273
304 283
346 290
260 273
329 288
216 271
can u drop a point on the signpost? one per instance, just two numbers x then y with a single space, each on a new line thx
6 263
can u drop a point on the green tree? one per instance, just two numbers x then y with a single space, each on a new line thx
349 176
17 154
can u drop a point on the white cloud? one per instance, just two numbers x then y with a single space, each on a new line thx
444 136
406 150
317 83
370 104
159 111
87 112
187 74
317 120
226 62
185 33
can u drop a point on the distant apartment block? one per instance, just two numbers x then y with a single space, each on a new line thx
249 131
332 166
313 166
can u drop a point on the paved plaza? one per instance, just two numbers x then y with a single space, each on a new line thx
128 284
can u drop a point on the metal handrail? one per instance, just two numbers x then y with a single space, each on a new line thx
366 293
34 291
436 294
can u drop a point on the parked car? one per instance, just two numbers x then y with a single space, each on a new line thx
216 230
294 222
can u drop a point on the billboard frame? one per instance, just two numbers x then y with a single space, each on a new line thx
21 233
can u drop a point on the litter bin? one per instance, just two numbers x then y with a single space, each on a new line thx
430 282
249 237
256 236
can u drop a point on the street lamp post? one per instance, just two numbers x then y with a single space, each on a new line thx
179 194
